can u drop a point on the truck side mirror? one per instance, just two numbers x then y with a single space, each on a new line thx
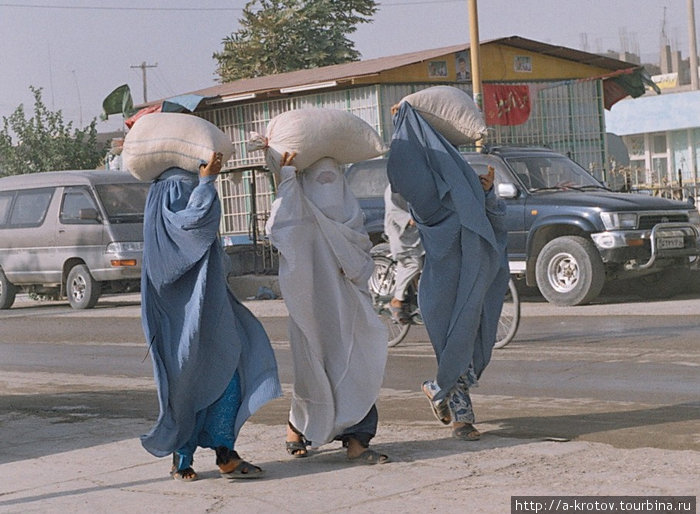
507 190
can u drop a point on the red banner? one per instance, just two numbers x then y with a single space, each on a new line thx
506 104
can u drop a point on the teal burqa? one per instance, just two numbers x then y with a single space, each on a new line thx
462 228
198 333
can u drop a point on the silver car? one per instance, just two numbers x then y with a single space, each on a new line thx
72 234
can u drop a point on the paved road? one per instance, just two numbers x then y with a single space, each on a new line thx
595 400
622 373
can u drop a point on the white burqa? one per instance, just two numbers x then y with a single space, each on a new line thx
338 343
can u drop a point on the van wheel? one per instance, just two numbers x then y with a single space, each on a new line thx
7 292
569 271
83 290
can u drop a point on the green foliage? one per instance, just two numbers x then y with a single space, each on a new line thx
45 142
277 36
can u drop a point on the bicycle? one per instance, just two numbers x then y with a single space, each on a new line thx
381 287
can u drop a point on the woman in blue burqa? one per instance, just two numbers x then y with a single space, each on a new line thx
465 272
212 360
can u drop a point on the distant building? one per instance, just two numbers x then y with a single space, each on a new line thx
662 133
533 94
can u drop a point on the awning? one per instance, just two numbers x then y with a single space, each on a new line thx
181 103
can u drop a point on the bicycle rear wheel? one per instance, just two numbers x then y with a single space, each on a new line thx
381 287
510 317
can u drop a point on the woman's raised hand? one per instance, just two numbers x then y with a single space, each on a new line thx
213 167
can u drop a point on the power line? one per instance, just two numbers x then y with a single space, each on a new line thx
108 8
193 9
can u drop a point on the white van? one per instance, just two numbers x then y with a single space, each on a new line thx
71 233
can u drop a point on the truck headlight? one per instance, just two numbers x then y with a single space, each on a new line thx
618 220
124 247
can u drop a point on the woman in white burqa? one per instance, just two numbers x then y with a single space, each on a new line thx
338 343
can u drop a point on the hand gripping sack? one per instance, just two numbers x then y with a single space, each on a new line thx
163 140
451 112
318 133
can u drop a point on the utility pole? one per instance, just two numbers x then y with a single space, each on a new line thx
80 104
474 55
693 45
143 67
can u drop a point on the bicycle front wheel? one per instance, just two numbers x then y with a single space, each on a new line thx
510 317
396 332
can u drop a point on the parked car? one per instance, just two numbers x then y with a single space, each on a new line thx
70 233
568 234
367 181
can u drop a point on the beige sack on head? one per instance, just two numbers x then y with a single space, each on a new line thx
451 112
317 133
163 140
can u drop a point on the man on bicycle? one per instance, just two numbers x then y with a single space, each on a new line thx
406 249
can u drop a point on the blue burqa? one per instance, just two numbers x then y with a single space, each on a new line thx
198 333
465 273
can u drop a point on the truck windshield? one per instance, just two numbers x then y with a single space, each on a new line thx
551 172
124 203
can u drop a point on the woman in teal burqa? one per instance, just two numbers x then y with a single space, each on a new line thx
212 360
465 273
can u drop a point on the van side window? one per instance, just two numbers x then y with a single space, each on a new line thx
74 200
29 208
5 202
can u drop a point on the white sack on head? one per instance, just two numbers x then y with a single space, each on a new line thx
451 112
317 133
163 140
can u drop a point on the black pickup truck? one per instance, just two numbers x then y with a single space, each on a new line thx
567 233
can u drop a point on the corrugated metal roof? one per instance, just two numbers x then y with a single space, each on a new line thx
563 52
339 72
343 74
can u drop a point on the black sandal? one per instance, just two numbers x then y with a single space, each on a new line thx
185 475
297 449
244 469
399 315
466 432
370 457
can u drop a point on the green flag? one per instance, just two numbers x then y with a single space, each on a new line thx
118 102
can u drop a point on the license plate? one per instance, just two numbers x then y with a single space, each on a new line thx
670 243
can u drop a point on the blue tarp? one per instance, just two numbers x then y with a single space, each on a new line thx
182 103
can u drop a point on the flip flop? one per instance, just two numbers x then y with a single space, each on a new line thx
370 457
440 408
466 433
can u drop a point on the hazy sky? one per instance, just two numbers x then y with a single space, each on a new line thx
80 50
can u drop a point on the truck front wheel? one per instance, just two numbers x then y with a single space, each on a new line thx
569 271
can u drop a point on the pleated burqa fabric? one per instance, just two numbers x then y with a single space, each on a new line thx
339 345
198 333
462 229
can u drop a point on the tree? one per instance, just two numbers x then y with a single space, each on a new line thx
277 36
45 143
